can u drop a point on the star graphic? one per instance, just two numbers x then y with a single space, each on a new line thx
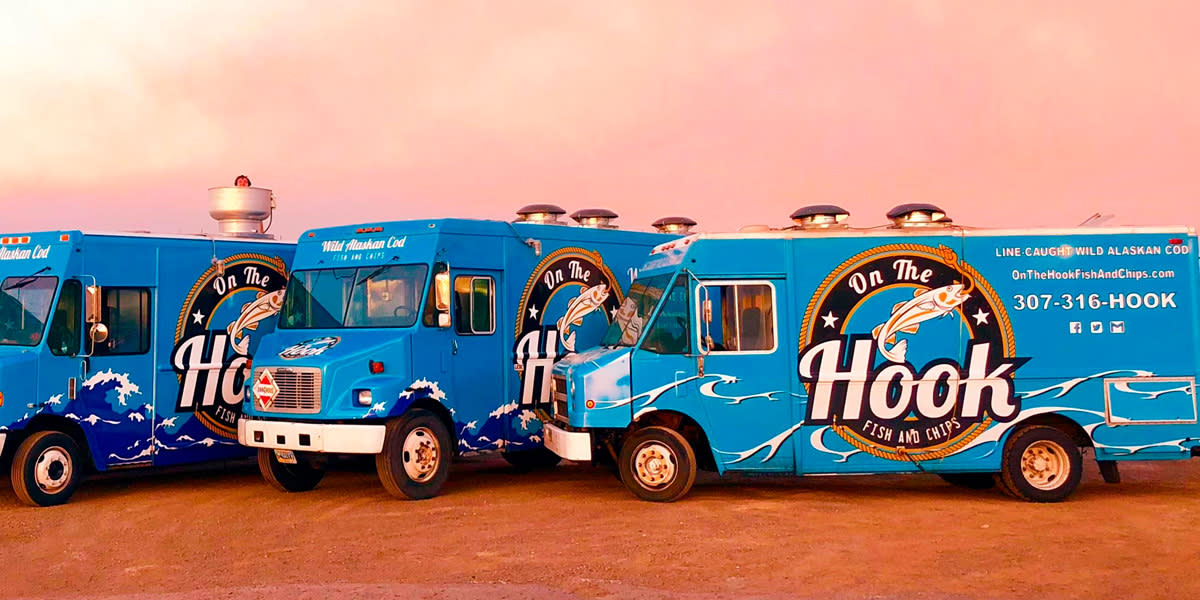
981 318
829 319
198 317
613 312
533 311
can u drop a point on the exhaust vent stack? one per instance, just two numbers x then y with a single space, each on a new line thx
240 211
679 225
545 214
820 216
918 215
598 218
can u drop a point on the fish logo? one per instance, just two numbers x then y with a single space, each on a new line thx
907 403
907 317
265 306
589 300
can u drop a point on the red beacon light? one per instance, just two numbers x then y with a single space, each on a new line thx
375 366
1175 241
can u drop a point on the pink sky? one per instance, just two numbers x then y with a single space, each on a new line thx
119 115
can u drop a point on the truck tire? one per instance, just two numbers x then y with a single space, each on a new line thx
1040 464
532 460
415 461
300 477
657 464
46 469
970 481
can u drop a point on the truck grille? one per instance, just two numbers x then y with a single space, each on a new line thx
299 390
558 399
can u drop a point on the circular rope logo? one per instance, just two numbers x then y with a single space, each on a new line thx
907 353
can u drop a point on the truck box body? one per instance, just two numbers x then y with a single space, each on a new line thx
870 351
362 344
183 314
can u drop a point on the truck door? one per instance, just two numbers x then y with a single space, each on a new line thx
746 386
116 394
478 358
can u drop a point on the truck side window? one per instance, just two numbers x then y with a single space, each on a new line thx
743 317
126 312
474 305
63 339
670 334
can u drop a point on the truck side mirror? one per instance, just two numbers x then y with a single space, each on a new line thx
441 297
98 333
706 341
91 304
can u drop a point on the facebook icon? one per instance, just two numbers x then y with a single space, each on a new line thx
1076 327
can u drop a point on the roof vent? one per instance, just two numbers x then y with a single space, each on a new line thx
545 214
679 225
754 228
820 216
600 218
241 210
918 215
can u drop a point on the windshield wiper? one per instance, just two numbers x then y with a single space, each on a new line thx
26 280
373 273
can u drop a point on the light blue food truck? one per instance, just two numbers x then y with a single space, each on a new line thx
123 350
984 356
418 341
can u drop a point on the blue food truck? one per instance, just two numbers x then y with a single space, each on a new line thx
122 350
419 341
984 356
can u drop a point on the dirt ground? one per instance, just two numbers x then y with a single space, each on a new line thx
576 532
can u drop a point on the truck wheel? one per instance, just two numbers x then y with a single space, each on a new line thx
1041 464
532 460
657 464
970 481
300 477
415 461
46 469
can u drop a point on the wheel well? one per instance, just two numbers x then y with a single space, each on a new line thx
685 426
442 413
1064 424
64 425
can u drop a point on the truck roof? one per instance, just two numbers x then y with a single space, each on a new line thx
470 227
78 233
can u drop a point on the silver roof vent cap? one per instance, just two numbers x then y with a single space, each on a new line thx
821 216
599 218
918 215
240 210
678 225
545 214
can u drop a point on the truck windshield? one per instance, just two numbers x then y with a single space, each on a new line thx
631 318
24 309
385 296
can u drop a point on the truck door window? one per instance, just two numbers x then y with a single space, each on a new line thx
743 317
670 333
474 305
126 312
63 338
25 308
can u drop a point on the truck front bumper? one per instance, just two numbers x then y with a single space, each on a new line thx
312 437
571 445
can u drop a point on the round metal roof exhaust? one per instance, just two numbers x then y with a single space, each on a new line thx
240 210
679 225
918 215
600 218
545 214
821 216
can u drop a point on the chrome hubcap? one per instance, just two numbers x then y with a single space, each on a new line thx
1045 465
654 465
52 470
421 454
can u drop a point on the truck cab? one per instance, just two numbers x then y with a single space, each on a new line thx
128 350
419 341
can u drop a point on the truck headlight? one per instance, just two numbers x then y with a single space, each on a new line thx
362 397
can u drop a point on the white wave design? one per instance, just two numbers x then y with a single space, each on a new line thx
146 452
1149 395
817 441
1065 387
707 389
774 444
124 388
